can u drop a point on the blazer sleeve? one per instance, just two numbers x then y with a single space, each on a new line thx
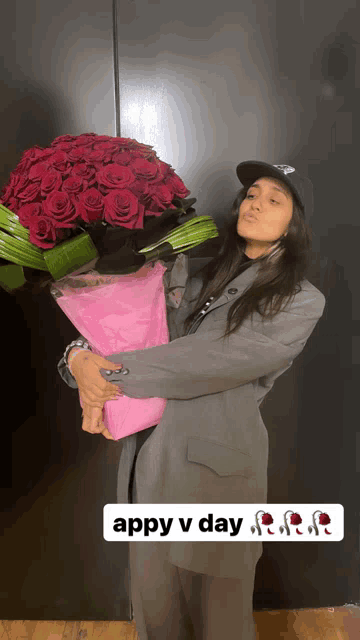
200 364
65 372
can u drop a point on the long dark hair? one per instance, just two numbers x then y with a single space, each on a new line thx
279 276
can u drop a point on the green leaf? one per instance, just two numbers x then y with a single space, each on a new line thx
13 249
14 242
188 235
11 277
70 255
10 222
22 245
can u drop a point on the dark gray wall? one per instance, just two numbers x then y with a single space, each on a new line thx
208 86
57 78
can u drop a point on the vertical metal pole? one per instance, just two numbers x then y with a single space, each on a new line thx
116 68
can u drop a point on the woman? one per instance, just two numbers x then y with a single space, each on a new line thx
237 329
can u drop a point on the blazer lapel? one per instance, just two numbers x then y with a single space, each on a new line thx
236 286
241 282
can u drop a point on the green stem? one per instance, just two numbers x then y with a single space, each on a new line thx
189 234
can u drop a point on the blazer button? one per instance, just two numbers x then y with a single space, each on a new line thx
232 290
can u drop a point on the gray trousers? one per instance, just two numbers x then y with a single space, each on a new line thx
173 603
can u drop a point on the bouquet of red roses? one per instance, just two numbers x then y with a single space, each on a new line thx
102 207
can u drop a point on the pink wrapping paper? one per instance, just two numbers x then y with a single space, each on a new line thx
121 313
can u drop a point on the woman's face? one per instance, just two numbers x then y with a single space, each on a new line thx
270 203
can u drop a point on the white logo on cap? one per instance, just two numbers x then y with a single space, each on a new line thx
285 168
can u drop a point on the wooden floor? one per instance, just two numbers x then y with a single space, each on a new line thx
338 623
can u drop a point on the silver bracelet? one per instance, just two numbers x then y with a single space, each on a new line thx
81 343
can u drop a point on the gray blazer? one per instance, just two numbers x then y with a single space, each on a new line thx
211 445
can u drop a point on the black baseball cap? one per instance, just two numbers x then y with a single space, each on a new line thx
300 185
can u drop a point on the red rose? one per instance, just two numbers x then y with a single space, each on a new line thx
12 205
141 189
324 518
139 146
106 146
267 518
76 154
14 179
42 232
27 159
24 165
51 181
59 160
38 171
98 157
90 205
175 183
29 153
30 193
124 157
144 169
6 193
102 138
84 171
37 153
73 185
7 190
161 197
64 146
59 139
164 168
28 212
123 209
295 518
84 140
22 181
43 154
122 142
60 209
147 155
114 176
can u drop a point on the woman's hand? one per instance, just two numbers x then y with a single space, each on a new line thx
92 421
93 388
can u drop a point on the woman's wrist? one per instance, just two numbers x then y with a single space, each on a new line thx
71 357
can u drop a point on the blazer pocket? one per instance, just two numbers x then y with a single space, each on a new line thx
224 460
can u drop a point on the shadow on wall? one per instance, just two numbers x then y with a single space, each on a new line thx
61 477
326 373
30 116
